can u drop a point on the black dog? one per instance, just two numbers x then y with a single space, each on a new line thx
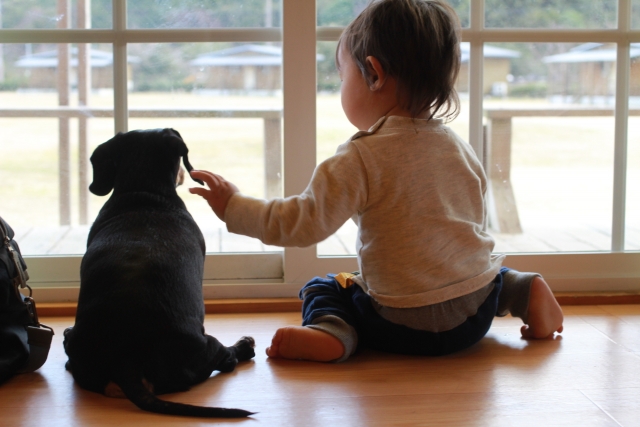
139 323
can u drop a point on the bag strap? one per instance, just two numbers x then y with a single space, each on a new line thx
20 281
39 335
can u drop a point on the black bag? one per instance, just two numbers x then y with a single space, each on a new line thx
24 342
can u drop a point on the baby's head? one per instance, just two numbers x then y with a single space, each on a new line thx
417 42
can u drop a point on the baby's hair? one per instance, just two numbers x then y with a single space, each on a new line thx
418 43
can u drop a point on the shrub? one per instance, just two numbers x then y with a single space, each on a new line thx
528 90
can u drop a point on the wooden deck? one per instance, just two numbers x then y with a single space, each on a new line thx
65 240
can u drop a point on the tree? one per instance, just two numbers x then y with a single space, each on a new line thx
578 14
201 14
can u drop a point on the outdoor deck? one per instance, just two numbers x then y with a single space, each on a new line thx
64 240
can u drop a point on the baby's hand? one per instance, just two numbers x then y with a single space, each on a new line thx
218 193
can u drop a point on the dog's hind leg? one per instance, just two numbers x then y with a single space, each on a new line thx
244 348
239 352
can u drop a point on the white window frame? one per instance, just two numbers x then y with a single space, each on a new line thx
282 274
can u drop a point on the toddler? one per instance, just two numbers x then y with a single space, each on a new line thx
428 283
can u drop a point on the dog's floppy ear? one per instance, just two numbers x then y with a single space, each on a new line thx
183 151
104 167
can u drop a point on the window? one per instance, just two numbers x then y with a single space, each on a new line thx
238 80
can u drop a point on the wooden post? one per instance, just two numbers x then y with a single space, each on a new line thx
64 149
84 90
272 158
501 203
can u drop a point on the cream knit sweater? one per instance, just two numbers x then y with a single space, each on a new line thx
415 190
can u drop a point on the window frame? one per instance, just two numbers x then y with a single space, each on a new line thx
282 274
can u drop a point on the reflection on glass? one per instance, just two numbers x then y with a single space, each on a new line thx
462 9
635 14
225 99
551 14
340 13
203 13
44 14
45 198
550 144
332 129
632 217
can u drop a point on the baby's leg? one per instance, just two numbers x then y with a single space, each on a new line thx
325 334
544 316
302 342
527 296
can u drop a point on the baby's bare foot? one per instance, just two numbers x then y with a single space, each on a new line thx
299 342
545 315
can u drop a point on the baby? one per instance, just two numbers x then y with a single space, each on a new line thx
428 282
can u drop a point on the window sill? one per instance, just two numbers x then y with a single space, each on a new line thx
286 305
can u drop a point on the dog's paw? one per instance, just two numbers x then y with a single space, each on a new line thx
248 340
245 348
228 365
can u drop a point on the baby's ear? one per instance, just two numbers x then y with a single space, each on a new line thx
377 74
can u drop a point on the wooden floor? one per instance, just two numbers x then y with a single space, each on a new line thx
590 376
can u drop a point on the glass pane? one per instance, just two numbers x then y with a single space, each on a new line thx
44 14
635 14
632 231
551 14
333 129
226 102
341 12
550 159
203 13
462 8
44 193
338 12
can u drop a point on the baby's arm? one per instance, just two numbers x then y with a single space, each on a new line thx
336 191
219 192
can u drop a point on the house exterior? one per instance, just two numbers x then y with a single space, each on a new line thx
497 66
588 71
40 69
244 68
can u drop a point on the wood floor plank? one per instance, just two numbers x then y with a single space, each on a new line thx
590 376
621 404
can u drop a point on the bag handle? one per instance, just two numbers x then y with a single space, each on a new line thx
20 281
38 335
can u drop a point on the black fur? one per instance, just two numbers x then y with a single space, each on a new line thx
139 322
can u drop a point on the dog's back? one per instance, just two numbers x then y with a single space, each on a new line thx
140 310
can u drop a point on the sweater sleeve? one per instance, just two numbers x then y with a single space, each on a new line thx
338 190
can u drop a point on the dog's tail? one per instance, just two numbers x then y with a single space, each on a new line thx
133 386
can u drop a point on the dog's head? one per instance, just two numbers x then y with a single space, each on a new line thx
139 159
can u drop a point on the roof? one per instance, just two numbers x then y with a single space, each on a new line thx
488 52
246 54
49 59
590 52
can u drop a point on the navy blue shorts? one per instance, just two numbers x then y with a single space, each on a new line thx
325 296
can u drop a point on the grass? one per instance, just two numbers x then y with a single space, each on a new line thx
562 167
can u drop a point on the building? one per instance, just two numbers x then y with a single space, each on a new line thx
588 72
246 67
497 68
40 69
